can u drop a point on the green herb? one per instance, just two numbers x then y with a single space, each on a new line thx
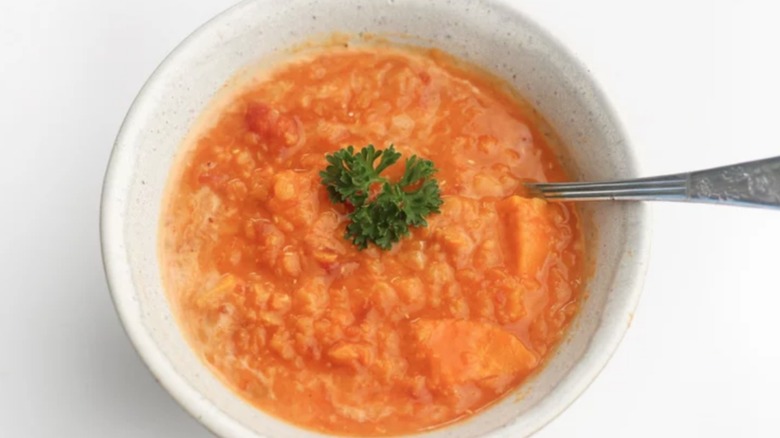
352 178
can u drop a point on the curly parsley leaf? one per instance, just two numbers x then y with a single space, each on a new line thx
349 176
387 218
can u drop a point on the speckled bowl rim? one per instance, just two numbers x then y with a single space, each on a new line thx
123 291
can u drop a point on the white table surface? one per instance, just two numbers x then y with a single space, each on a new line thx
695 82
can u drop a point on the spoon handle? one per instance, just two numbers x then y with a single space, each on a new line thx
755 184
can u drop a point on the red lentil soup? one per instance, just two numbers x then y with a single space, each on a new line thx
308 328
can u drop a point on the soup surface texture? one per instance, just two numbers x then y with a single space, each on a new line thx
308 328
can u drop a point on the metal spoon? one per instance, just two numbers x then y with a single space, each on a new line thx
753 184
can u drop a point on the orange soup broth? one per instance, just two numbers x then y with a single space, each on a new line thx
308 328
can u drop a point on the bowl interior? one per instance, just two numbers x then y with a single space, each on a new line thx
490 34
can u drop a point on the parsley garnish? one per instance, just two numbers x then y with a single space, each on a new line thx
385 218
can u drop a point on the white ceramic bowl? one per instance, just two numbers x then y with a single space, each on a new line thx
491 34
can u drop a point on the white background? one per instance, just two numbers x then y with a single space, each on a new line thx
697 84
